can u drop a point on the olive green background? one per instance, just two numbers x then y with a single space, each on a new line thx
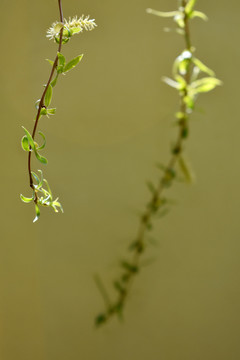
114 121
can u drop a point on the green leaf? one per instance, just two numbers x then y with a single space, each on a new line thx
203 67
51 111
35 177
189 7
179 19
72 63
54 81
199 14
25 143
48 187
42 159
181 81
205 84
37 213
171 82
50 62
131 268
43 111
44 141
55 204
48 96
189 101
25 199
186 170
29 137
163 14
61 59
180 115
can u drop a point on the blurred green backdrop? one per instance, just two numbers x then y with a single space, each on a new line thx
114 122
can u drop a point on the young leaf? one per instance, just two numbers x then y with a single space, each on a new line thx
42 159
29 137
43 111
189 7
48 187
61 59
35 177
199 14
171 82
25 143
44 141
72 63
51 111
203 67
50 62
131 268
38 181
186 170
205 84
25 199
37 213
163 14
54 81
48 96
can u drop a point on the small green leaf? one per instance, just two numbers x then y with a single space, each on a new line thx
43 111
179 19
186 170
189 101
25 143
40 182
37 213
189 7
181 81
131 268
163 14
199 14
205 84
44 141
72 63
180 115
29 137
54 81
50 62
48 187
35 177
203 67
171 82
61 59
51 111
48 96
25 199
40 158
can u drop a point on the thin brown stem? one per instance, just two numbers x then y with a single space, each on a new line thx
41 103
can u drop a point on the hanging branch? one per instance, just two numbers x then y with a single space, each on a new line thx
60 32
186 71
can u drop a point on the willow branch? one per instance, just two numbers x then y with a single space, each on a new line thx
41 103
